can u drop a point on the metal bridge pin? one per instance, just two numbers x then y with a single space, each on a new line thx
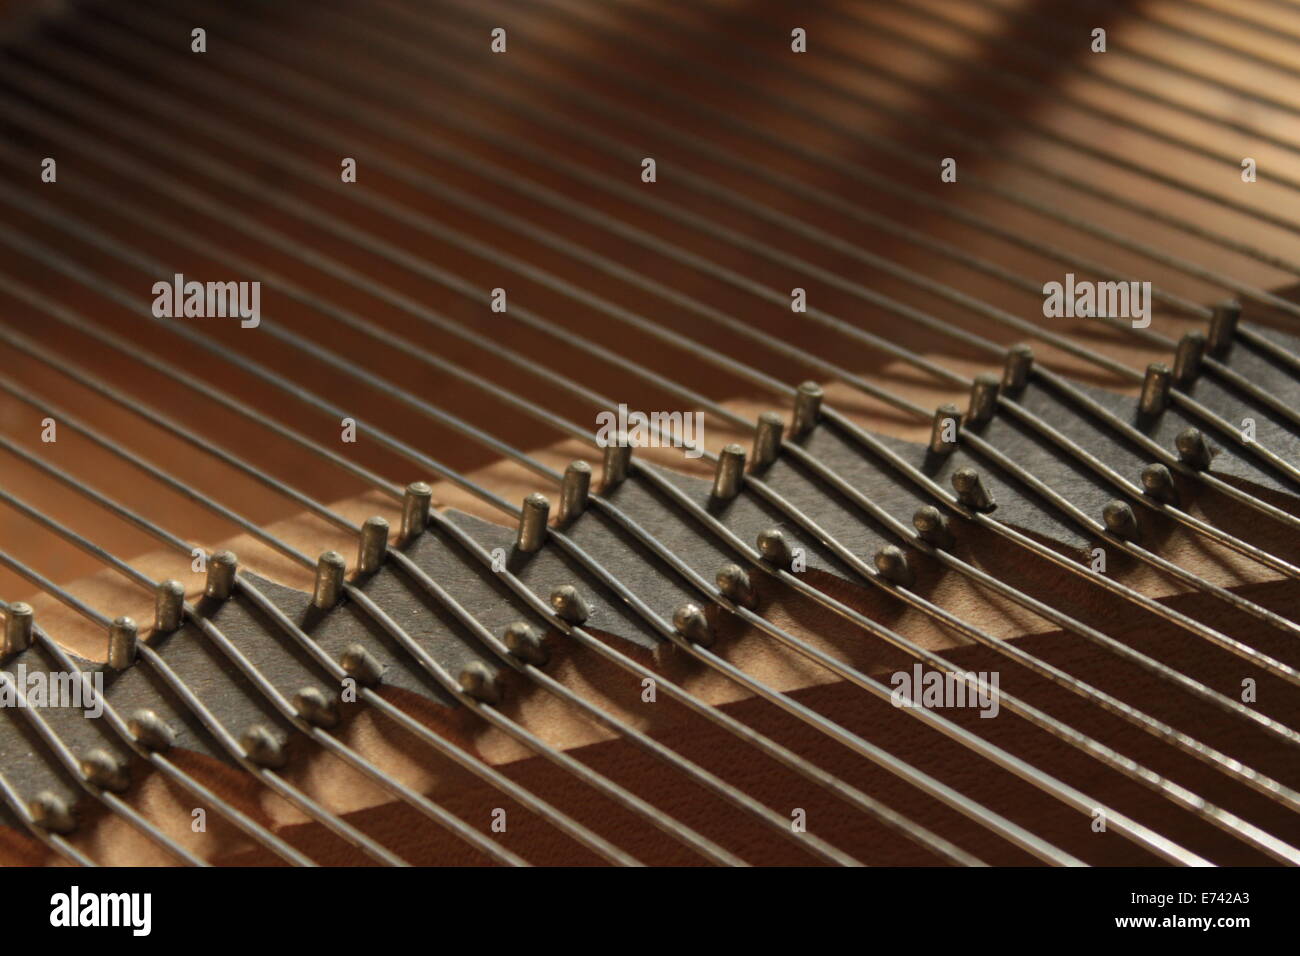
944 430
569 605
1223 326
372 549
807 408
575 491
479 682
122 636
1017 365
971 490
768 436
523 642
1188 357
532 523
316 707
1154 397
893 566
51 812
733 581
330 568
617 463
1159 483
1193 449
416 501
932 527
1120 519
222 568
105 771
168 607
263 747
692 623
18 627
774 548
730 473
983 398
361 665
151 731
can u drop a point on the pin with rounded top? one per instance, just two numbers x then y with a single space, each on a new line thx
263 747
416 502
733 581
944 430
361 665
51 812
983 398
372 548
971 490
1159 483
122 636
575 491
1188 357
617 463
768 436
894 567
18 627
220 581
1154 397
568 604
1120 519
1223 326
932 527
807 408
1193 449
533 516
524 643
330 568
105 771
692 623
730 473
1017 365
479 682
774 548
151 731
316 707
168 606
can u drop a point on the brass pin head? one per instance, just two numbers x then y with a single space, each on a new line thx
692 623
971 490
569 605
932 527
1159 483
361 665
893 566
1120 519
774 548
733 581
524 643
1193 449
